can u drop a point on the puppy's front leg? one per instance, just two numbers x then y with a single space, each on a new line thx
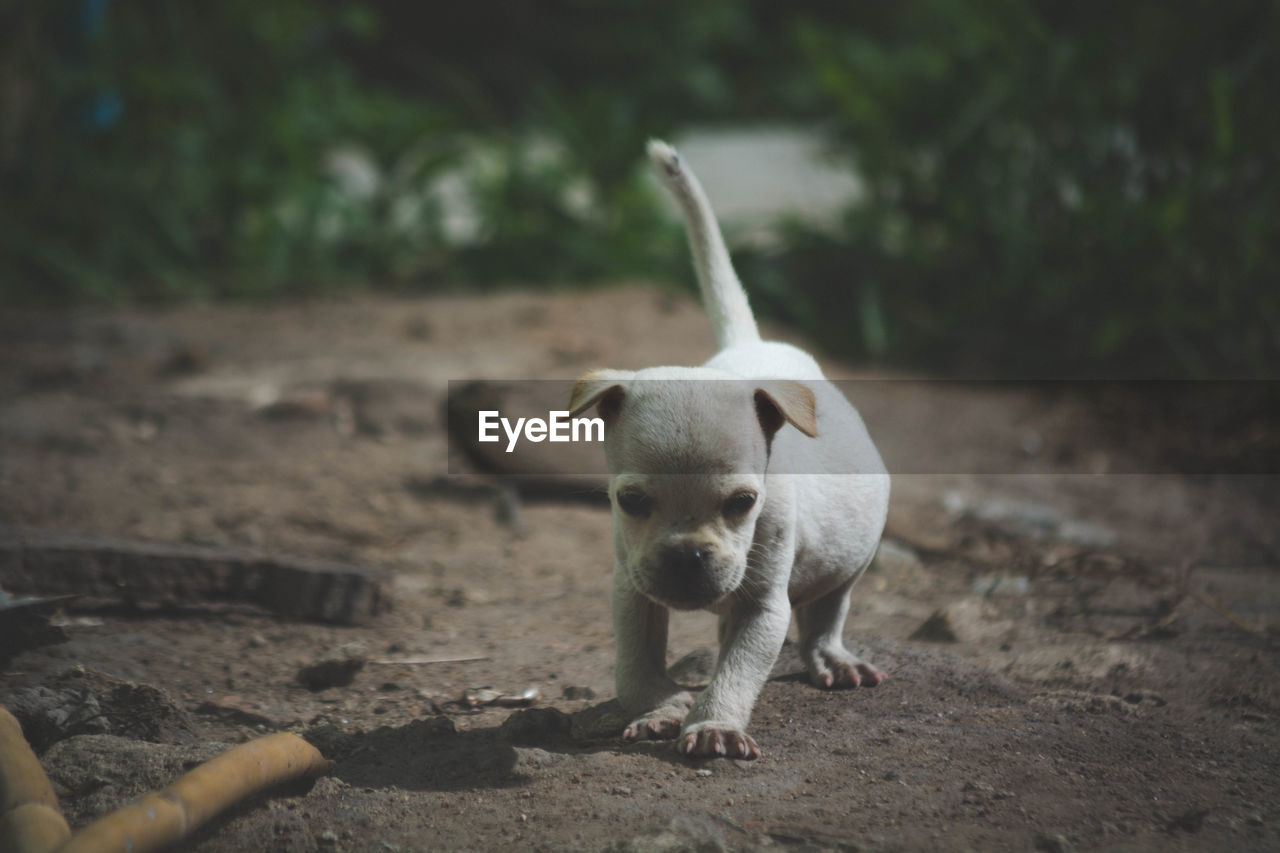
644 689
751 635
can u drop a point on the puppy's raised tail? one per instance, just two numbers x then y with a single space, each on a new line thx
722 293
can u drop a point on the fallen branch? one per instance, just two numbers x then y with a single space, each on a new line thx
137 573
30 821
165 816
1225 612
1141 571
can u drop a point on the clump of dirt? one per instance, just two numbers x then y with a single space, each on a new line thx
1107 676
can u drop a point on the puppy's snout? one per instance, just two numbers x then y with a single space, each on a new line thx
685 576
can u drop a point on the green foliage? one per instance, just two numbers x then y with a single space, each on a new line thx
1053 187
1050 187
212 182
259 153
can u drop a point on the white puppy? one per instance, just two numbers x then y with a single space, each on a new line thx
748 487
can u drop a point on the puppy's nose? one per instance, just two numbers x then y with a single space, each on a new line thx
685 578
686 559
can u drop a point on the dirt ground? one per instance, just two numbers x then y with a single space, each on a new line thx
1078 658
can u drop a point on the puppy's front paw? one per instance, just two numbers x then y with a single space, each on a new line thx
838 669
708 740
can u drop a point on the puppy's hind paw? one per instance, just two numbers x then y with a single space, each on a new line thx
836 672
712 742
653 727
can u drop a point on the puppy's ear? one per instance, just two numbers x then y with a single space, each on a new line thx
783 401
598 386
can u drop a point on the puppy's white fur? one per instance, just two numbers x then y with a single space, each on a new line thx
719 503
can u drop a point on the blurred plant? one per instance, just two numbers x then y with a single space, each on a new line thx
1053 188
1049 187
256 149
212 181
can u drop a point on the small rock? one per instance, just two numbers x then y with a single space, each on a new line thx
82 701
1189 821
1030 442
536 724
301 404
966 620
1052 842
48 715
702 772
530 759
329 786
418 329
606 720
620 790
476 697
328 838
523 699
936 629
237 709
432 727
106 771
993 586
574 692
1145 697
185 359
330 673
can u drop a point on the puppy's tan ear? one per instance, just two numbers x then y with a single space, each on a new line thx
604 387
783 401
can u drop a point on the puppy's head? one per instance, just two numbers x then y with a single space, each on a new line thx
687 450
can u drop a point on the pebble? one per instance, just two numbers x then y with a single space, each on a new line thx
965 620
1052 842
1001 585
535 724
330 673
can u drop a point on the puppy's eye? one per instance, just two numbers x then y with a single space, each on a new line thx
637 504
740 503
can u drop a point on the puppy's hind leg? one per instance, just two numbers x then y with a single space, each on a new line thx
829 663
644 689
